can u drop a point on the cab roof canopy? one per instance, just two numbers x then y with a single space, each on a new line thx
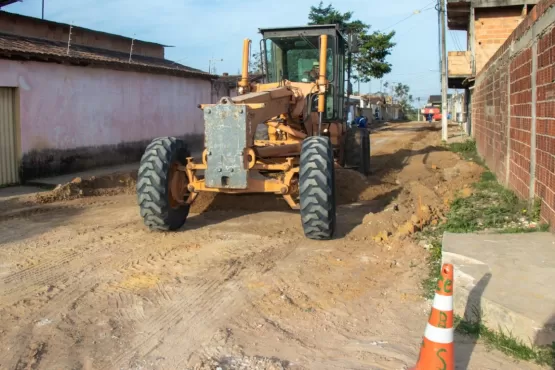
306 30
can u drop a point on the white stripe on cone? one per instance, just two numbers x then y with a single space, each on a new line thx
439 335
443 303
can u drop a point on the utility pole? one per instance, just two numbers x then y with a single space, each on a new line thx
444 127
418 110
212 64
42 9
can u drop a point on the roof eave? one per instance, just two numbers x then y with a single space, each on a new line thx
46 57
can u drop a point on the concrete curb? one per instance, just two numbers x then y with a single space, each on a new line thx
475 308
477 304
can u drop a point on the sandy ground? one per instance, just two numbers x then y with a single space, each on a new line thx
84 285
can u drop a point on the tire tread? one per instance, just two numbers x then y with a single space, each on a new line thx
317 188
153 184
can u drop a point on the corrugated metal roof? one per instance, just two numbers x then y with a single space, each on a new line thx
17 16
22 47
231 80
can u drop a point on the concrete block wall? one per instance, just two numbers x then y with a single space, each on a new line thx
513 110
458 63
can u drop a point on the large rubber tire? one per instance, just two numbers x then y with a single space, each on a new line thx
317 188
357 149
153 186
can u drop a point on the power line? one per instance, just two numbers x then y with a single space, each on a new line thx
424 8
455 41
458 45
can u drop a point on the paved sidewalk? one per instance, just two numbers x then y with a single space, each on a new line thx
506 281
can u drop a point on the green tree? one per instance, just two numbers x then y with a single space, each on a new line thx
255 63
370 62
401 92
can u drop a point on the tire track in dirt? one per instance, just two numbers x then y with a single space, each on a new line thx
74 271
183 312
38 210
74 261
195 317
76 282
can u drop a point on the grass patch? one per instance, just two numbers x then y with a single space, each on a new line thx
434 263
506 343
489 207
467 149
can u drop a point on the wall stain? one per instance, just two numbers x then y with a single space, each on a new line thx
53 162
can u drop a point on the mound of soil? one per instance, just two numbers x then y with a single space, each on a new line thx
351 187
121 183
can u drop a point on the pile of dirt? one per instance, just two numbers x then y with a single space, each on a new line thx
121 183
351 187
207 202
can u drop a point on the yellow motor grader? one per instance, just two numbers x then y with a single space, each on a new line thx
301 107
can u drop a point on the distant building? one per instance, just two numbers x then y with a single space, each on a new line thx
435 100
376 107
227 84
72 98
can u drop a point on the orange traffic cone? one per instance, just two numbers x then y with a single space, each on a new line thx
438 349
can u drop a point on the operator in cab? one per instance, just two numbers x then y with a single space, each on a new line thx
314 73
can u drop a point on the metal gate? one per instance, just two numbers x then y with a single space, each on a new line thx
8 134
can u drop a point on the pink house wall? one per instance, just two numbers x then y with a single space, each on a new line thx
66 107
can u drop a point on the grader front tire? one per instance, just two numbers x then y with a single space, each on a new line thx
317 188
157 207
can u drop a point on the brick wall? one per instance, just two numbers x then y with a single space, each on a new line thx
545 124
513 107
492 27
520 116
33 27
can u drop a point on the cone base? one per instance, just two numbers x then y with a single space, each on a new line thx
436 356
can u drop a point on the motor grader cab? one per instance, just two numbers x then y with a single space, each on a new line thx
300 105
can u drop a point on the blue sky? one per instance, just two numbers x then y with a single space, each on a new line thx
201 30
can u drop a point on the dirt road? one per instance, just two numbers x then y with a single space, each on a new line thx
84 285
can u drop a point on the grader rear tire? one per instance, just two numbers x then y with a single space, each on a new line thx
317 188
157 208
357 149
